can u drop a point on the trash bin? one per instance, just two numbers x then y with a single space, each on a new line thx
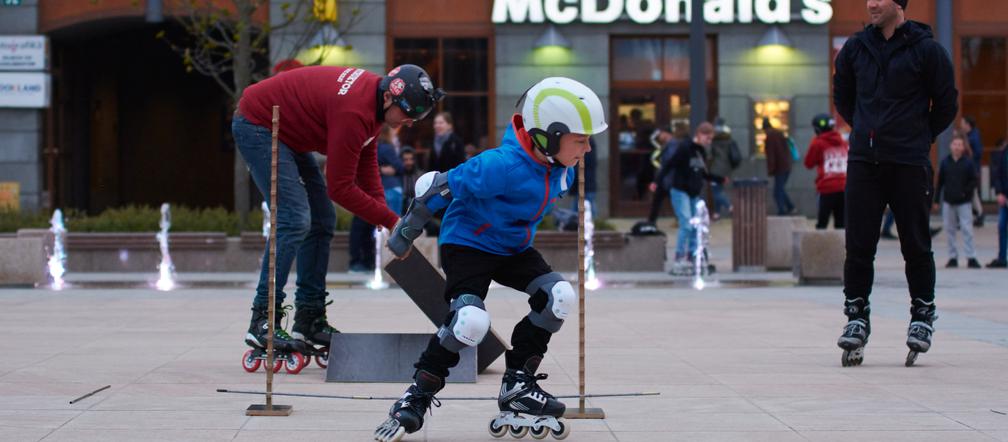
749 220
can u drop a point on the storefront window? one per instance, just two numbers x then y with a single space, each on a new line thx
655 59
459 66
983 63
985 87
650 89
777 112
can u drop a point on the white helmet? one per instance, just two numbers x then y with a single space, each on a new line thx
556 106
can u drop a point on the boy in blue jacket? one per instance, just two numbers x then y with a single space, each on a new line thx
495 201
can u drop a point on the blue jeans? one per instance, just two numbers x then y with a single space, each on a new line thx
720 197
362 245
784 204
393 199
888 222
305 218
685 207
1002 232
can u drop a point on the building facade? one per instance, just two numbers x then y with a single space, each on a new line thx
486 53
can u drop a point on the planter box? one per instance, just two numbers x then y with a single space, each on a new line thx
23 261
779 236
215 252
819 257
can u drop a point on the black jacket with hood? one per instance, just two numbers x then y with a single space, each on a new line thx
896 94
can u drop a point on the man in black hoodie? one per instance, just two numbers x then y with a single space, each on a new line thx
689 172
895 85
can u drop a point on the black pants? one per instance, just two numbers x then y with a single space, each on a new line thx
362 245
657 200
831 204
469 271
908 192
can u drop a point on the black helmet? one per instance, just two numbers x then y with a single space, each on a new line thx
823 123
412 90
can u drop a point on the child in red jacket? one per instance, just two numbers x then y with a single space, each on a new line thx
828 154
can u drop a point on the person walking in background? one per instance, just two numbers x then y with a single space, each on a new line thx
590 181
968 126
778 156
895 85
724 157
662 183
999 178
411 171
449 150
391 170
828 154
957 180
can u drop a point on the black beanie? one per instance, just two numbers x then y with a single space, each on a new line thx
902 3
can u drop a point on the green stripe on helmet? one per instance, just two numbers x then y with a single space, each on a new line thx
566 95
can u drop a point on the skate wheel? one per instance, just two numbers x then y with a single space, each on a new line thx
295 362
911 358
277 364
322 360
249 362
497 431
518 432
851 358
539 432
563 433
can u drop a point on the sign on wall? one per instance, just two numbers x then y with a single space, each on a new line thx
10 195
815 12
29 90
22 52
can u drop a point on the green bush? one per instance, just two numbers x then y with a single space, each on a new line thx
11 221
183 219
602 224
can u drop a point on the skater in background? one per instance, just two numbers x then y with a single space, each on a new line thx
898 98
338 112
690 173
957 180
999 179
495 202
827 153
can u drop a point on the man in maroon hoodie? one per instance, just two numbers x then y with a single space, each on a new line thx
337 112
828 154
778 163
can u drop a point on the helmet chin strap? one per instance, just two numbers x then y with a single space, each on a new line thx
549 159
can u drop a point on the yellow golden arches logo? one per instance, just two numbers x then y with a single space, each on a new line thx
325 10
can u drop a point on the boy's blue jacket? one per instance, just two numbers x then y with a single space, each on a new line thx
500 196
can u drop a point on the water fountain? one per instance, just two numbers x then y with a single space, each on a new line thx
166 271
57 261
591 281
266 220
378 281
701 223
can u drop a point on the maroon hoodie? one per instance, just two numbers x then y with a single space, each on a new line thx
333 111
